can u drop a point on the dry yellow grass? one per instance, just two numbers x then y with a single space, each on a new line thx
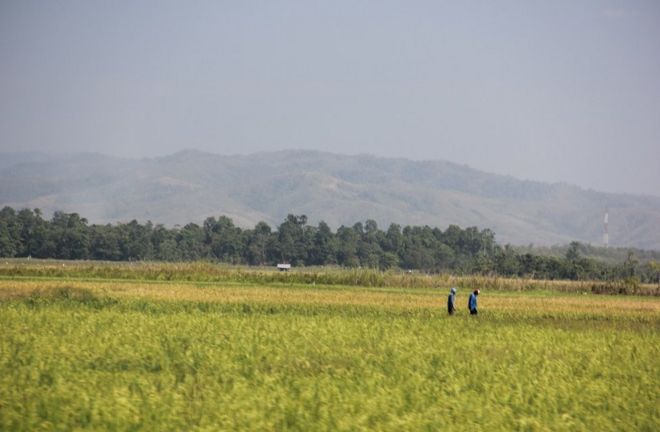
218 273
102 354
403 299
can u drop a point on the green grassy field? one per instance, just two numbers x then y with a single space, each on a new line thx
94 353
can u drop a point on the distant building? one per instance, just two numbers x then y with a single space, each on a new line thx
283 267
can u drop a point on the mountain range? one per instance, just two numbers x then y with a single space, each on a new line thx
189 186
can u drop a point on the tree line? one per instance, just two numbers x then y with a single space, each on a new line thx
26 233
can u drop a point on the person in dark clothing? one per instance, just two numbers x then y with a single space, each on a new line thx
451 302
472 302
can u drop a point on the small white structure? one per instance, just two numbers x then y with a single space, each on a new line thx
283 267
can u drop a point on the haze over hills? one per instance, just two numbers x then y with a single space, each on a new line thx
189 186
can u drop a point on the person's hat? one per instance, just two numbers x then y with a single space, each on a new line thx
453 289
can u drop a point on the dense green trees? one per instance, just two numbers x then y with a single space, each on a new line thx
68 236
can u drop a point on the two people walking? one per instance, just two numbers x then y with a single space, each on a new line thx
472 302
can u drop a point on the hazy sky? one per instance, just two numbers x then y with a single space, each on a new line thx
545 90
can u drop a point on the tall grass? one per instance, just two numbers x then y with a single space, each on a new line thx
102 355
209 272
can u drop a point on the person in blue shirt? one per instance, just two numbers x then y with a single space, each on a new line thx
472 303
451 302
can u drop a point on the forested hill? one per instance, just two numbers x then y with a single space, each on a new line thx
190 186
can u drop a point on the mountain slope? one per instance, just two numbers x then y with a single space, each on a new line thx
191 185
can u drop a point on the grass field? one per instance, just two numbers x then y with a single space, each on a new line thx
87 352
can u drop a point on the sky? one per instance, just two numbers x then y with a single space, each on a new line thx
555 91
